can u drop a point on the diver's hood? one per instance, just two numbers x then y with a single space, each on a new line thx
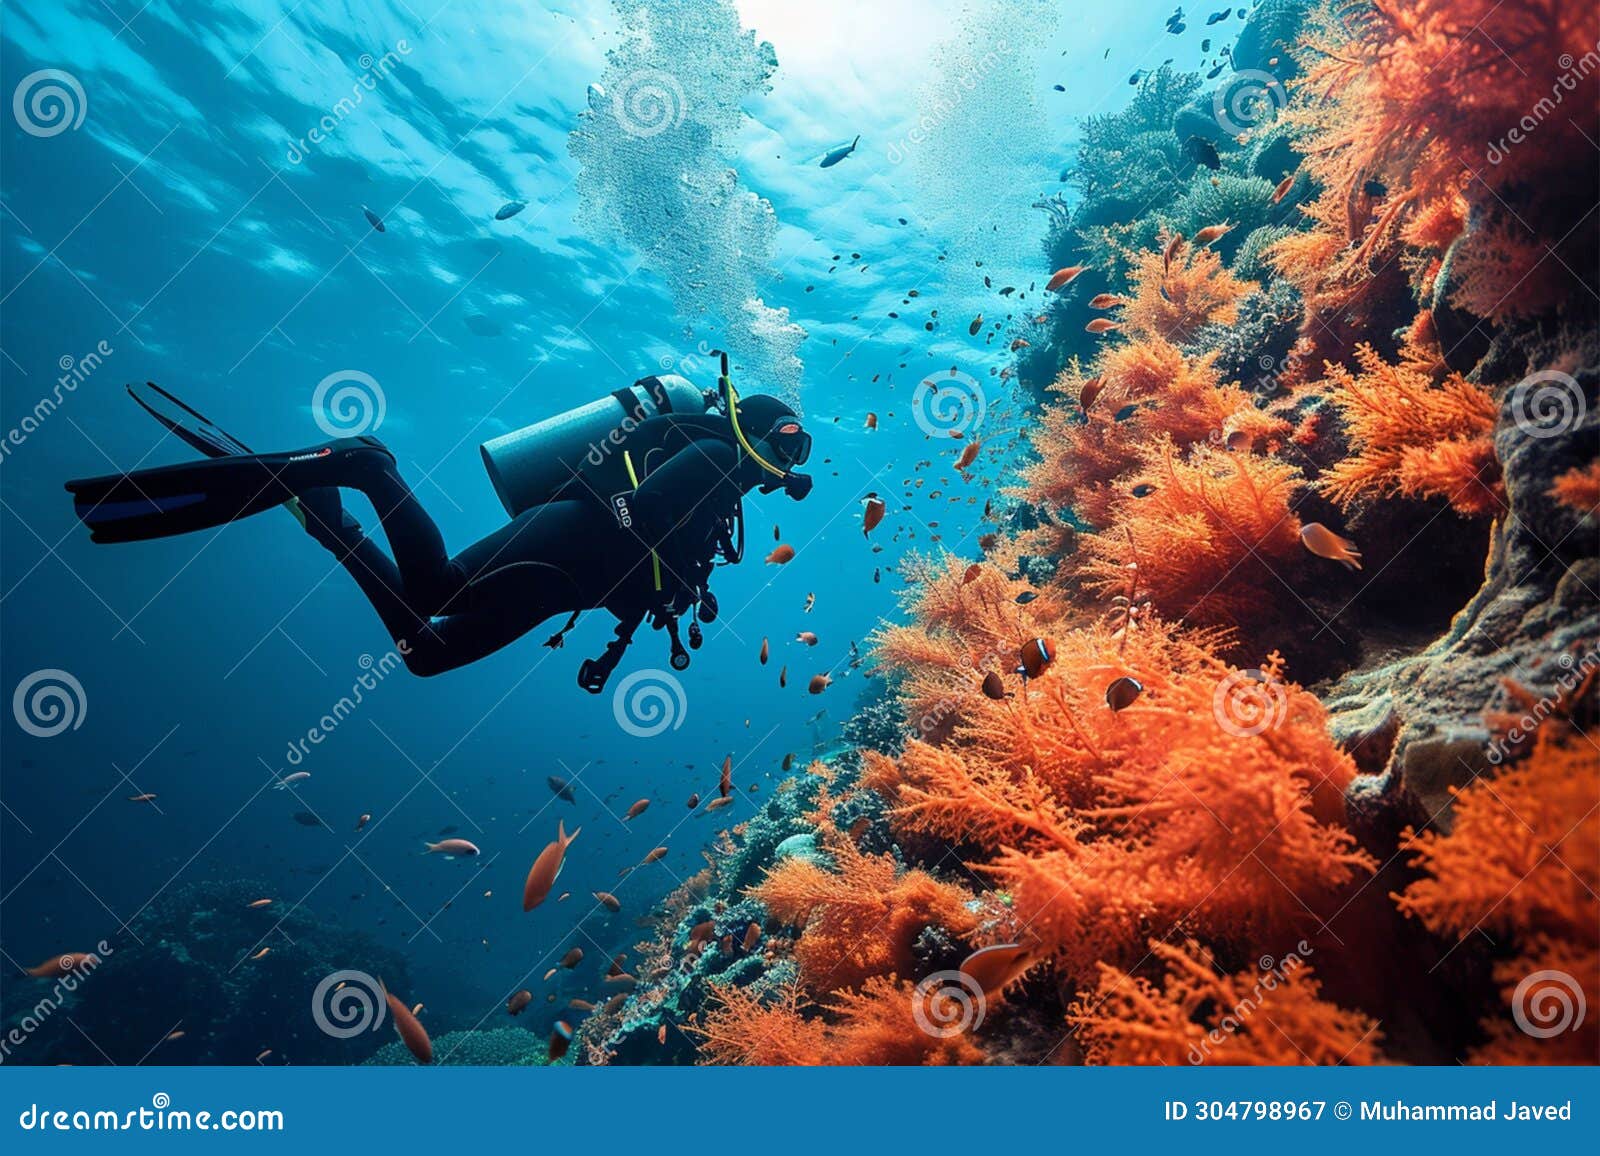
770 433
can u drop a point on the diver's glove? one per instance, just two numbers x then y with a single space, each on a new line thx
797 486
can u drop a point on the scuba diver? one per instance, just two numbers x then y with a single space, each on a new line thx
624 504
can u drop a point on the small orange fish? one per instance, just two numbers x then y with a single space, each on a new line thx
1284 186
1100 325
262 954
1091 390
661 1034
59 965
416 1009
572 959
994 686
549 973
607 900
409 1028
363 821
1105 301
560 1040
147 797
725 782
820 683
623 980
259 903
263 1055
694 800
993 968
718 804
872 421
971 574
765 651
638 808
565 895
1061 278
656 853
177 1035
518 1001
781 555
783 677
1019 343
582 1005
615 1002
542 875
873 515
1212 233
1324 543
752 936
806 637
1174 247
1123 692
968 455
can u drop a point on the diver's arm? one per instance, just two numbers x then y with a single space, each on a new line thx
700 477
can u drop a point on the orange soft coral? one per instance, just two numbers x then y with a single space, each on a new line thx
1209 538
1579 488
1215 799
1173 296
875 1026
862 917
1420 112
861 921
1201 1015
1521 865
1412 437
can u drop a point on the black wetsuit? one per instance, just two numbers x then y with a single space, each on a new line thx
570 554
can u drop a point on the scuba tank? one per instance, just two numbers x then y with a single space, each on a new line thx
535 465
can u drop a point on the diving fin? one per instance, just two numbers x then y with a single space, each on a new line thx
232 483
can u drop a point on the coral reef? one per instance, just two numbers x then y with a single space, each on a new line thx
188 963
1222 744
496 1047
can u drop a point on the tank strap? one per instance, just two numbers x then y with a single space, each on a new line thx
655 559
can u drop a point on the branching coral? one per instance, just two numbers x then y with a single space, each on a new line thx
877 1025
1174 294
1214 800
862 920
1522 864
1412 437
1199 1014
1419 103
1209 537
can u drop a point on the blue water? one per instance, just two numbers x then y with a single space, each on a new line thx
189 231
